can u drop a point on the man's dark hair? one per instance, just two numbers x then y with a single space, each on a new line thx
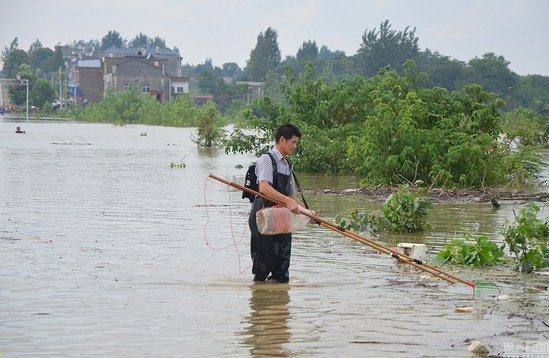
287 131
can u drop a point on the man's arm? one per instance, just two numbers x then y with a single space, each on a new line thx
291 201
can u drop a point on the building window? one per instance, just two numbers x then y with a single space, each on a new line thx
145 89
180 90
126 87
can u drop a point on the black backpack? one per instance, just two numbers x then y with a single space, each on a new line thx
250 181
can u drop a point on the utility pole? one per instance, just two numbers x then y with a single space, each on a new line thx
60 100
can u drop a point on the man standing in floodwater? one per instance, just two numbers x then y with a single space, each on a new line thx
271 253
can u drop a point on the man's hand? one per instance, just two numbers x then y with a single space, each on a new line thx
292 205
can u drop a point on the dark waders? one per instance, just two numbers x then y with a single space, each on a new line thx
270 253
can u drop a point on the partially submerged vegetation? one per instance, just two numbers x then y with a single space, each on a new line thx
391 130
403 211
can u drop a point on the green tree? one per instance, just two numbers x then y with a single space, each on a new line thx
390 129
442 70
209 130
18 91
42 59
13 58
112 39
58 61
531 92
7 50
308 52
35 46
386 47
526 127
41 93
91 46
264 57
231 69
157 42
140 40
492 72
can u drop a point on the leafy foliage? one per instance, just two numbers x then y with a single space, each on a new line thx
407 210
41 93
112 39
209 130
478 251
527 239
402 211
131 106
391 130
526 127
386 47
264 57
13 59
18 91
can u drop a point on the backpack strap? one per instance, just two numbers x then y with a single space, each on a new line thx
275 168
297 184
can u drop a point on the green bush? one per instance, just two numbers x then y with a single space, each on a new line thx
402 211
390 130
407 210
475 252
527 239
209 131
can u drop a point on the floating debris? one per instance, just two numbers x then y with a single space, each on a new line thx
80 141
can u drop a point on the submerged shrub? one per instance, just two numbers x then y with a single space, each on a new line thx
479 251
403 211
407 210
527 239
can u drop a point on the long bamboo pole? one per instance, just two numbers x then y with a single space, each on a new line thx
374 244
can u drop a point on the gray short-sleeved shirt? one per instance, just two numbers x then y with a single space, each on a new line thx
264 168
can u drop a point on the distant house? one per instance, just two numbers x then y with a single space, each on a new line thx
202 99
156 72
254 89
90 79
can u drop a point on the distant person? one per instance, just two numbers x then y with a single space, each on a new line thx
18 130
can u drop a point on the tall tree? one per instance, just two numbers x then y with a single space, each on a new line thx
13 62
35 46
386 47
18 91
91 46
41 92
7 50
264 57
112 39
308 52
231 69
42 59
157 42
442 70
140 40
492 72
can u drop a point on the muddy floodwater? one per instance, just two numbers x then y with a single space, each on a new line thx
114 243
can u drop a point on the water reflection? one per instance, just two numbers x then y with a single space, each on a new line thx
268 330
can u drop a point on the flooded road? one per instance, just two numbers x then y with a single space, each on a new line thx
108 250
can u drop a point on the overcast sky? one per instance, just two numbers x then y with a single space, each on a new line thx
227 30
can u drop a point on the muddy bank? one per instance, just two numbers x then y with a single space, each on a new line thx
442 195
